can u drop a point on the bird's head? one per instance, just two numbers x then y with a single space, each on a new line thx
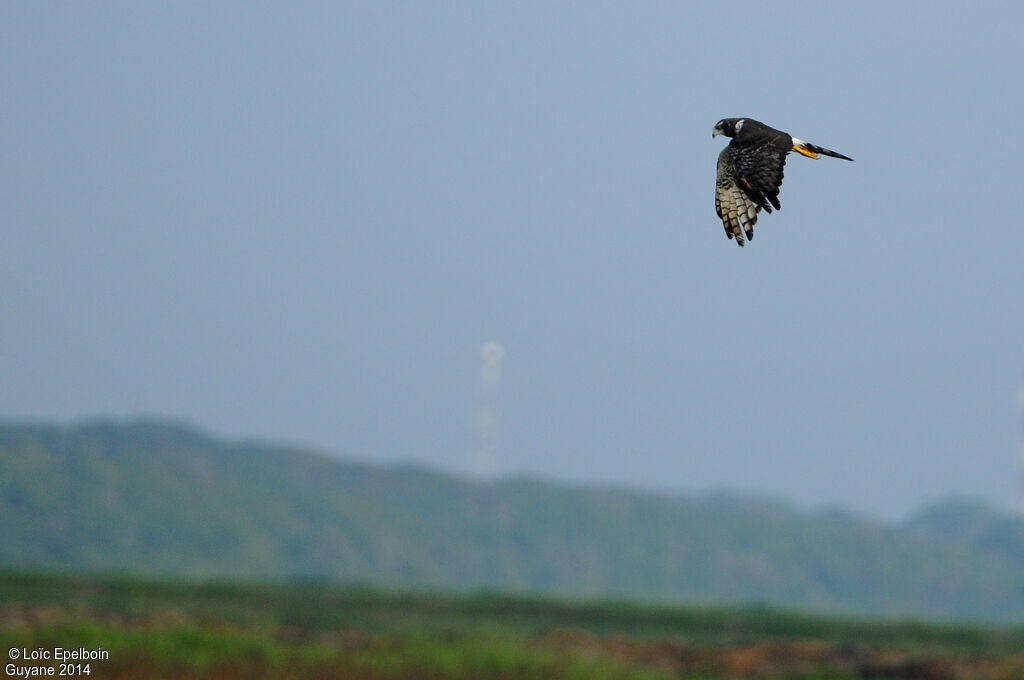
727 126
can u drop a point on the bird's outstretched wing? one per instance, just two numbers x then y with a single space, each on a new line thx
749 178
736 208
759 168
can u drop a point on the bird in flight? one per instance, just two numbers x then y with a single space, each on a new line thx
750 171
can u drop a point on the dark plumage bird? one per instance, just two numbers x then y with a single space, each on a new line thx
750 171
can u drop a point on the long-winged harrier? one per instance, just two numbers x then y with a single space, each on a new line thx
750 171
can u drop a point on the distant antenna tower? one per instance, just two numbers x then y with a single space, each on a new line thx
485 416
1020 453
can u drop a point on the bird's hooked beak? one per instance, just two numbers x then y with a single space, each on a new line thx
715 132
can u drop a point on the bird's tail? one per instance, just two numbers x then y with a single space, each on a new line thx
812 150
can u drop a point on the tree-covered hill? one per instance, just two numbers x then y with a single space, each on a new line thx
157 498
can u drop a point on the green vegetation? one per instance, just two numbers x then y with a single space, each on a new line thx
164 629
163 500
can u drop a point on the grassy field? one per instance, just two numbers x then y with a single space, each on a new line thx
162 629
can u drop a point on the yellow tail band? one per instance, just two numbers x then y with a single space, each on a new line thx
805 152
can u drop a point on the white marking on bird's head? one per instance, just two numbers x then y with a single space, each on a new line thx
729 127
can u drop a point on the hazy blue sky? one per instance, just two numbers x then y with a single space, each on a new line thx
302 221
